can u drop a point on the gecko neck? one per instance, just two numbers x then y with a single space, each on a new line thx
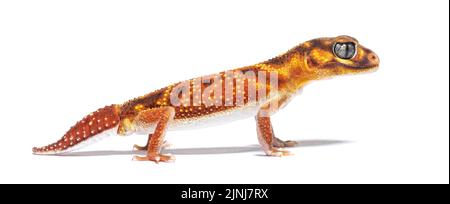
292 69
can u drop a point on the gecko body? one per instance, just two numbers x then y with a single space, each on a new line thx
258 91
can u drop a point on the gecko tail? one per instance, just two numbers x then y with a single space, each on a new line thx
96 125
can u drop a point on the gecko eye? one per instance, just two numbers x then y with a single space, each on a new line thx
344 50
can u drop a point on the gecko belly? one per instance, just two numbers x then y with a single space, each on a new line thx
215 119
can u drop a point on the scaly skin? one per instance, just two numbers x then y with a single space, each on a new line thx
224 94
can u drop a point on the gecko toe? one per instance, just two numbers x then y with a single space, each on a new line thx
156 158
276 152
281 144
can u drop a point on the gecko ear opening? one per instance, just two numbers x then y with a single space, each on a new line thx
344 50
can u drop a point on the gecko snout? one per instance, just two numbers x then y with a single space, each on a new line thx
373 58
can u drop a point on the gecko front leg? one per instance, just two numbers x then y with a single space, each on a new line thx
267 139
161 117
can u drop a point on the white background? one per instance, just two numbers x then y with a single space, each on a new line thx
60 60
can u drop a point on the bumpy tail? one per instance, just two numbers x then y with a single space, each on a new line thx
99 123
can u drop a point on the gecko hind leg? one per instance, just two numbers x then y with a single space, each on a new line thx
142 148
136 147
161 117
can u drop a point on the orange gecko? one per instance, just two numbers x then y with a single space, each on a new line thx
252 91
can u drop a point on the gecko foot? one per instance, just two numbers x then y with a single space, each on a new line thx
281 144
276 152
155 158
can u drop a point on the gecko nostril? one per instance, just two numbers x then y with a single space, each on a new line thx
374 58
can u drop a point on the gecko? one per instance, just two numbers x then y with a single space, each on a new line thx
258 91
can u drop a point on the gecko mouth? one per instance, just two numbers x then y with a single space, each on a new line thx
361 69
367 65
364 67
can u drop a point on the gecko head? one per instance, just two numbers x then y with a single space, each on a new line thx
327 57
